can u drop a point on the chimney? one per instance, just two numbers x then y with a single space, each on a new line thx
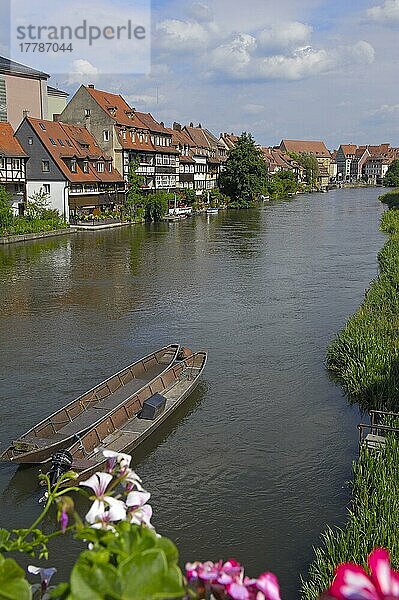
162 124
199 125
176 126
91 86
25 113
191 124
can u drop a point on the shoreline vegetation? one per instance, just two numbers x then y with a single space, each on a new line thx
364 359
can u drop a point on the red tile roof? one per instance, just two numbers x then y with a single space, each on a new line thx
117 108
319 149
9 145
77 143
349 149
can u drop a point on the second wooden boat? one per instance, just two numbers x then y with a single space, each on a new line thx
63 427
130 424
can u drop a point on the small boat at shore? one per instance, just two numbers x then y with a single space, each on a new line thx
212 211
134 420
62 428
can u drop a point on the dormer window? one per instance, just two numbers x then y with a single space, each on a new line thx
133 136
110 166
73 165
85 166
124 134
42 126
87 113
61 142
52 140
100 167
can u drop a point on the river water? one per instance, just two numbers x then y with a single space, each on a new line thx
254 465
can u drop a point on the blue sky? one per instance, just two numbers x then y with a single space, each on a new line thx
313 69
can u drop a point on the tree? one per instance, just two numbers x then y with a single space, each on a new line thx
282 184
391 178
189 196
37 206
134 195
6 214
156 205
245 174
310 165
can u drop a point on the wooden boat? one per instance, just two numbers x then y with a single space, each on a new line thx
124 429
62 428
212 211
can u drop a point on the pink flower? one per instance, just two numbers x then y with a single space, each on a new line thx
64 521
352 582
267 583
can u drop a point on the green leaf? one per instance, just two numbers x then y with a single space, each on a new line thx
93 582
13 585
4 539
147 576
169 549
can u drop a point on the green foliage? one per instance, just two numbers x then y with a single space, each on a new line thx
391 199
310 165
364 357
156 205
282 184
190 196
245 174
22 225
13 584
372 519
134 195
391 178
37 206
131 562
6 214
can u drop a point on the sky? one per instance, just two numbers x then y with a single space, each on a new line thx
309 69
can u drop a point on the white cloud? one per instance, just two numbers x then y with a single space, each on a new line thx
201 12
81 71
385 110
387 12
180 36
145 100
253 109
239 59
282 36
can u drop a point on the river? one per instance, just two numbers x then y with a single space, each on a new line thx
255 464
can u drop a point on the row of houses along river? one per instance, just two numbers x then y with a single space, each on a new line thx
254 465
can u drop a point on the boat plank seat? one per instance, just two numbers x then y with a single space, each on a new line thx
81 464
121 394
41 442
136 426
121 441
85 420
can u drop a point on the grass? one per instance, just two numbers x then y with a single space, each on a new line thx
22 225
364 358
372 519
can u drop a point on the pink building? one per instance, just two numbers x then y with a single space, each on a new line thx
23 92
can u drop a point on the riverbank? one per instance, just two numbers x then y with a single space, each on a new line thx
27 237
364 358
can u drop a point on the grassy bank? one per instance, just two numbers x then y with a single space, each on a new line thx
364 358
372 519
22 225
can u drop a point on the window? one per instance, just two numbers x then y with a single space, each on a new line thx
46 188
159 159
106 135
2 163
61 142
100 167
85 166
42 125
124 134
53 141
87 112
73 165
166 160
110 166
45 166
173 161
69 143
16 163
30 141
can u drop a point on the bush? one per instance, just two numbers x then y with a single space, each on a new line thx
391 199
6 214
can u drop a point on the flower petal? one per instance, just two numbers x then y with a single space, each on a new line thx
97 509
123 459
98 483
267 583
380 567
117 510
237 591
137 498
351 582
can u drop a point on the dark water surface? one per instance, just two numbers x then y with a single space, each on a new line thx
254 465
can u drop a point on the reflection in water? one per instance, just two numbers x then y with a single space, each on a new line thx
253 465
